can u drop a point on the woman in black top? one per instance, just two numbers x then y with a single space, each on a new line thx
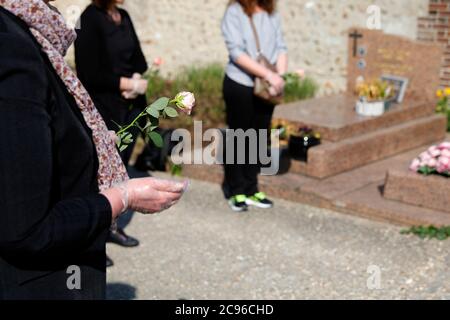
109 63
62 182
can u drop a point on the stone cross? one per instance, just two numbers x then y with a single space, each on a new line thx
355 35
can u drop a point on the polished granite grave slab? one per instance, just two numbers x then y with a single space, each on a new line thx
334 117
424 191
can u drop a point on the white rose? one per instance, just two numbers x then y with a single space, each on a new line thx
185 101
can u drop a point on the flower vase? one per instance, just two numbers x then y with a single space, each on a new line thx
371 109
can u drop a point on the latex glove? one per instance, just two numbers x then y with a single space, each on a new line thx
276 82
129 95
137 86
115 139
145 195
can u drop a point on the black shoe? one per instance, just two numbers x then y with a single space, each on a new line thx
122 239
259 200
109 262
237 203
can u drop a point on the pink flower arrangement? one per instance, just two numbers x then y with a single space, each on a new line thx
436 160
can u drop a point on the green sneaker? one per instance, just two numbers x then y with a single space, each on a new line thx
259 200
238 203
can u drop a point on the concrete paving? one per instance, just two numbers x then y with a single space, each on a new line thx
201 250
358 191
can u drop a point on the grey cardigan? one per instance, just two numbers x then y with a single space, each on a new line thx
239 39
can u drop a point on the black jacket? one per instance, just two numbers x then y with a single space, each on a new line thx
105 52
51 214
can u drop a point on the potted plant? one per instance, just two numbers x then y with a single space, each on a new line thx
375 97
280 136
301 141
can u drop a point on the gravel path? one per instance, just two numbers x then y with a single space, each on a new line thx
201 250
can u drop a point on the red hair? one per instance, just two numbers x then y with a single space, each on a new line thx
249 6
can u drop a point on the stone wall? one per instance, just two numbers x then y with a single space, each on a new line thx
188 32
435 28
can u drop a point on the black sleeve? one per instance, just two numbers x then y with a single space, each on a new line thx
89 54
30 226
138 59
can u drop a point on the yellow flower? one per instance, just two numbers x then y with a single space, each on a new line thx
440 93
447 91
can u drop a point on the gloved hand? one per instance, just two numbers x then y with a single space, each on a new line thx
276 83
114 138
145 195
135 86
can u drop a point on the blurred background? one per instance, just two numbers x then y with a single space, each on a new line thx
187 33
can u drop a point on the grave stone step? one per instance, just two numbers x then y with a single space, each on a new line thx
330 159
431 192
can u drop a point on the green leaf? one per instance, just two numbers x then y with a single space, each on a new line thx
426 170
441 235
171 112
160 104
156 138
153 112
147 125
123 148
430 232
127 139
176 170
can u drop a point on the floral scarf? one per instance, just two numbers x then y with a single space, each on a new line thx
55 37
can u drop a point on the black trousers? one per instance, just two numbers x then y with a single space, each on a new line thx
244 111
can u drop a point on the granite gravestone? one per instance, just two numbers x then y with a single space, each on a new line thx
351 140
373 54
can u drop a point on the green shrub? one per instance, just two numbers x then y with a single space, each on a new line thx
206 83
448 120
300 89
445 112
443 105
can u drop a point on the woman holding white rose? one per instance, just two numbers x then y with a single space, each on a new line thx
63 182
244 18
